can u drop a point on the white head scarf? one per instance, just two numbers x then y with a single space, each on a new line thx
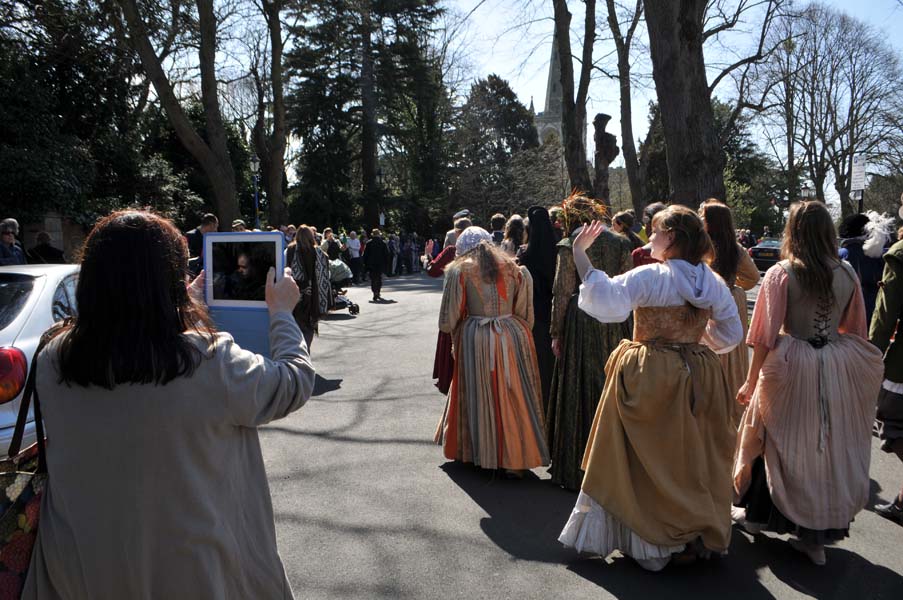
470 238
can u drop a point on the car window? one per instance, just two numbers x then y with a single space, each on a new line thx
64 299
14 292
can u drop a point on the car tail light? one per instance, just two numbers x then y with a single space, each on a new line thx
13 371
749 251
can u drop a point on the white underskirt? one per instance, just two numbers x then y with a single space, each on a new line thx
591 529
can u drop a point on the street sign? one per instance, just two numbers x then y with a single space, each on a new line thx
857 180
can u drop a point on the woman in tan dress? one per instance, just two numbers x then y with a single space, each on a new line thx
740 274
658 458
804 447
493 415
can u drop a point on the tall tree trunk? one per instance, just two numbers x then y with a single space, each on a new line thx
628 145
695 158
270 147
224 189
212 155
371 191
573 110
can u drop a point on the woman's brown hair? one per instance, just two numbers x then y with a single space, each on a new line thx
133 306
490 259
810 244
719 224
691 243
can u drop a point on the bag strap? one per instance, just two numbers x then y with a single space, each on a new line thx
31 390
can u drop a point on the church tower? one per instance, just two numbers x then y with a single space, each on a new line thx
548 122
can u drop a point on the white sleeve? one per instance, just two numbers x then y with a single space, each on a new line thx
724 330
610 299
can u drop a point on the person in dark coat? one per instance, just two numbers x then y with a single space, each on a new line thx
863 250
45 254
540 257
195 237
376 259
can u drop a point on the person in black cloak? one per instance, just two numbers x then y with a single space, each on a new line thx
539 257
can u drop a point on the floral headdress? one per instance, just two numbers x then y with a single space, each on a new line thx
578 209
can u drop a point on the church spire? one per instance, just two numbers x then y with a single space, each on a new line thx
553 85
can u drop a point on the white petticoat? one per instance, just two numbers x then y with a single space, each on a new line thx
591 529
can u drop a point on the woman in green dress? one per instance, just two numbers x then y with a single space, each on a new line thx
580 343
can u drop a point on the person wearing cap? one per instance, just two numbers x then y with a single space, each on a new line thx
376 259
493 414
10 252
452 234
239 225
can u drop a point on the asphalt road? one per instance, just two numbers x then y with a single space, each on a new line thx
367 507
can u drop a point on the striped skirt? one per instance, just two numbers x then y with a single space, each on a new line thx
493 413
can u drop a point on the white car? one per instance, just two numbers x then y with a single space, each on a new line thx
32 298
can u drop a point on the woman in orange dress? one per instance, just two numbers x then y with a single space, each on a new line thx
493 414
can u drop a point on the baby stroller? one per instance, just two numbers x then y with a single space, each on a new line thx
339 276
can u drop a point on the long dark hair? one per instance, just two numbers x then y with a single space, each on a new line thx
719 224
133 306
540 255
810 244
515 230
691 242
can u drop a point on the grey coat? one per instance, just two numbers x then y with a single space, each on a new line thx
161 491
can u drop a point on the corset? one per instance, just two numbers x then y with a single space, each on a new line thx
683 324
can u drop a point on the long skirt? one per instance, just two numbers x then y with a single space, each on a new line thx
545 358
577 383
658 459
736 362
493 412
810 420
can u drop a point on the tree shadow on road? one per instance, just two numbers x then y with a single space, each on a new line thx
525 516
736 576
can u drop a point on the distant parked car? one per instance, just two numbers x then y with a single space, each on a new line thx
766 253
32 298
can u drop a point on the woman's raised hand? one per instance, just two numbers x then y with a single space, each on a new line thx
281 295
428 249
584 240
588 235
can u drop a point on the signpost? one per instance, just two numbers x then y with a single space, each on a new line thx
857 178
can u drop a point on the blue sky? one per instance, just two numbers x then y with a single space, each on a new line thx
496 44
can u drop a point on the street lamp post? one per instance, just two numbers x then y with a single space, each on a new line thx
255 167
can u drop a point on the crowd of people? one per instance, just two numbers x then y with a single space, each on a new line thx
620 359
610 349
12 253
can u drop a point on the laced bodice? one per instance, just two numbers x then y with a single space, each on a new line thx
683 324
817 320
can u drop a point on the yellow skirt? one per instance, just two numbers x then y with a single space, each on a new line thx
659 455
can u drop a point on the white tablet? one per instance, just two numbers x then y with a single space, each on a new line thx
236 266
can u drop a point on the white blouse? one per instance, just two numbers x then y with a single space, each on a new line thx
672 283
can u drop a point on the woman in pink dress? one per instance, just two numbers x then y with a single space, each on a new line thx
804 444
